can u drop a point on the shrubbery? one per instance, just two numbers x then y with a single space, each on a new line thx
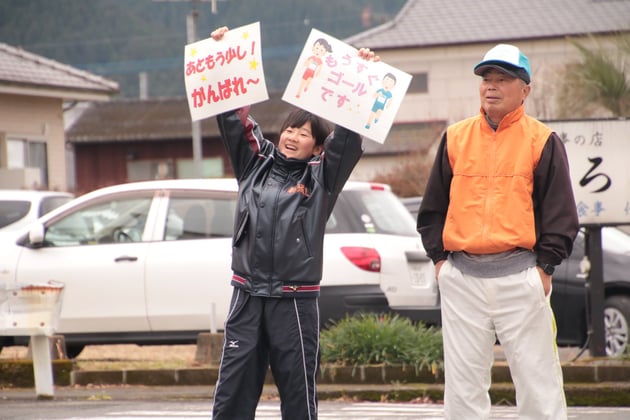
367 339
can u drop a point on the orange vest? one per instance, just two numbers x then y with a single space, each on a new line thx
491 208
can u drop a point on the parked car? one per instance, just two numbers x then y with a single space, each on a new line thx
413 205
21 207
570 298
149 262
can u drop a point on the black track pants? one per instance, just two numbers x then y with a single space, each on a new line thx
259 332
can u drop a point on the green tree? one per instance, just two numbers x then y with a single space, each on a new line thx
599 80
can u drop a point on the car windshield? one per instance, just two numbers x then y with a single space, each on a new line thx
12 211
373 211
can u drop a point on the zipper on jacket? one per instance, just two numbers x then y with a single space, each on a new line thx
273 236
487 216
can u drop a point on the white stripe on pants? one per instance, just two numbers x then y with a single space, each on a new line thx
516 309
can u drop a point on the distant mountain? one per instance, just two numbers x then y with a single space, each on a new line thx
119 39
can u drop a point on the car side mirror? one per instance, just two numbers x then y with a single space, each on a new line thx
36 235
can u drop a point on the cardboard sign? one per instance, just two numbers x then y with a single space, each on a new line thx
333 82
226 74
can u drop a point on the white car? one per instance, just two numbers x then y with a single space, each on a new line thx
21 207
149 262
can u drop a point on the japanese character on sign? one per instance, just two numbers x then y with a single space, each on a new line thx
222 91
588 178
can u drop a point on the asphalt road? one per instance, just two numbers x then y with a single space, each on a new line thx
267 410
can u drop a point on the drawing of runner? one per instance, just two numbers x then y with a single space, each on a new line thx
313 64
382 99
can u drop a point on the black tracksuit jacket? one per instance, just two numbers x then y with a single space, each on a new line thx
283 207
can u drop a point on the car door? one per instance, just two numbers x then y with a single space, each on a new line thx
188 265
98 251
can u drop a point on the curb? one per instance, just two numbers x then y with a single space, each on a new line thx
337 375
599 383
592 385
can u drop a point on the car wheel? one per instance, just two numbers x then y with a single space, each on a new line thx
73 350
616 319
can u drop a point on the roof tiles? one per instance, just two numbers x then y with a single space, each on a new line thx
21 68
423 23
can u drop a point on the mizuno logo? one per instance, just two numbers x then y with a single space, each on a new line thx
233 344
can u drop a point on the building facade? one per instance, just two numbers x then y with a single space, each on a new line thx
33 91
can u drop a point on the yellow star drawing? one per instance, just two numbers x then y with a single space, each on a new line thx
245 35
193 52
203 77
253 64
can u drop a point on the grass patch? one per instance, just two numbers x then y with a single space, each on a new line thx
382 339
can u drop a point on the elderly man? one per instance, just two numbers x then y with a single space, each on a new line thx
498 215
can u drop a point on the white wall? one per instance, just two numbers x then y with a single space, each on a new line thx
453 87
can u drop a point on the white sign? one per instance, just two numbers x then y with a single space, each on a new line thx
598 153
333 82
226 74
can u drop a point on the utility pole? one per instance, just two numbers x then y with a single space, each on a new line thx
595 289
191 36
191 31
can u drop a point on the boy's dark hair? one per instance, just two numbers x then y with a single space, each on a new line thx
391 76
324 43
320 128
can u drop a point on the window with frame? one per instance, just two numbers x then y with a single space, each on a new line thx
419 83
146 169
199 217
111 220
20 153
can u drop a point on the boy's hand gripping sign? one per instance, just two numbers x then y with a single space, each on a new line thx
224 75
333 82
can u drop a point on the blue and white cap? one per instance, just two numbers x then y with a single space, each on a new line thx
508 59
